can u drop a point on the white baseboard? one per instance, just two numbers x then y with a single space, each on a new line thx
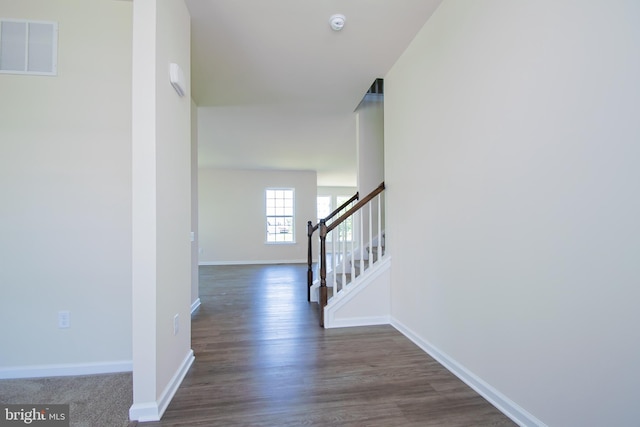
255 262
195 305
144 412
153 411
174 383
358 321
505 405
66 369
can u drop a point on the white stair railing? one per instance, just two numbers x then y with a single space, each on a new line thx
343 260
311 229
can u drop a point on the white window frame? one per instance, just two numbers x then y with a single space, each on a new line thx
281 211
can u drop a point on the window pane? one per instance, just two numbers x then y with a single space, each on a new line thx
324 206
40 47
345 232
14 40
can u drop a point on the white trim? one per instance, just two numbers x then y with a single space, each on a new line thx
293 242
153 411
144 412
358 321
505 405
370 274
66 369
195 305
354 288
313 292
255 262
174 383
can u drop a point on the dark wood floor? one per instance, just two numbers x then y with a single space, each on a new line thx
262 360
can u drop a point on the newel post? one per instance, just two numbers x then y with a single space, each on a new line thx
322 300
309 260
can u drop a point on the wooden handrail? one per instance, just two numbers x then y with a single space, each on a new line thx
342 206
379 189
310 230
335 212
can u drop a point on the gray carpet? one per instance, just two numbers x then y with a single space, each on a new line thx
95 400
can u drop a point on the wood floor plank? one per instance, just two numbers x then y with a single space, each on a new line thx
262 360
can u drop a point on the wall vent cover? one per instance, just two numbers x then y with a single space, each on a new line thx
28 47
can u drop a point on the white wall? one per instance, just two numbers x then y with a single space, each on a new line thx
511 138
161 206
370 143
173 139
283 137
232 215
65 191
334 193
195 292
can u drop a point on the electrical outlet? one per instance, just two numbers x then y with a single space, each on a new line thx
176 324
64 319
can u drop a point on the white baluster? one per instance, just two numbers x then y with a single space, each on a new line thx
361 241
379 197
353 260
370 235
334 263
344 253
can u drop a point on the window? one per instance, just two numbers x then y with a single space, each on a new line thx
280 215
348 223
324 206
345 232
28 47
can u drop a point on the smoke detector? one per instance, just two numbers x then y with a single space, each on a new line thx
337 22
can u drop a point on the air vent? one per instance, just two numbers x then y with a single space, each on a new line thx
28 47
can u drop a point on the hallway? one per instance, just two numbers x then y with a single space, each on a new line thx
262 360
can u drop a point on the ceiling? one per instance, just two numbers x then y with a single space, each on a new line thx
276 87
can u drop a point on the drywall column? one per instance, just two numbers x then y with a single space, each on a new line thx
370 154
144 207
370 142
161 203
195 243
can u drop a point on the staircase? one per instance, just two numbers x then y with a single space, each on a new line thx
356 255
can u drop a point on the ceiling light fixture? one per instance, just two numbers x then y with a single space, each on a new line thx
337 22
